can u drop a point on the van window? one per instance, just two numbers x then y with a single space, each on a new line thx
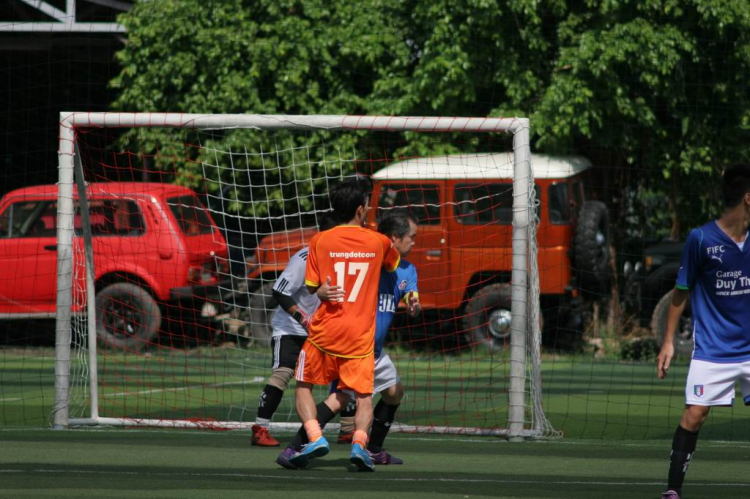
111 217
423 200
483 204
29 219
558 204
191 216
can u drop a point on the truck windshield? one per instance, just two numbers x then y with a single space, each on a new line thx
423 200
558 204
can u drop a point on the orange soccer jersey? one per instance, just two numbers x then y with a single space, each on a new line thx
352 257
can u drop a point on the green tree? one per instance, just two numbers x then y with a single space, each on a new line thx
656 87
654 90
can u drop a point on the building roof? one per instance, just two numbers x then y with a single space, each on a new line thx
480 166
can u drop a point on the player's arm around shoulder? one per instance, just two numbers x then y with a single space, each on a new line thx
391 256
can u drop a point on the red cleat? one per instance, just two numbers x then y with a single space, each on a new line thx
262 438
345 437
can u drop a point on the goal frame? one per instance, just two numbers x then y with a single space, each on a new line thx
521 261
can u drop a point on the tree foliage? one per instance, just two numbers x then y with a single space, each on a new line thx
654 86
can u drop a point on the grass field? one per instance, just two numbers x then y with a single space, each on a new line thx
616 417
200 464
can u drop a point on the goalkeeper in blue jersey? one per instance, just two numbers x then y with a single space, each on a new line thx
394 287
715 274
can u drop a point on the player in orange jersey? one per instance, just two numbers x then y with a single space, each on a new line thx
341 336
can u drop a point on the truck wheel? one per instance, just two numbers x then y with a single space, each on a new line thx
127 316
487 319
683 337
655 286
262 307
591 247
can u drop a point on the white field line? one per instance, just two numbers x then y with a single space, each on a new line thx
718 444
256 379
359 478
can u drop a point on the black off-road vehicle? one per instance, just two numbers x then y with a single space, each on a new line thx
648 292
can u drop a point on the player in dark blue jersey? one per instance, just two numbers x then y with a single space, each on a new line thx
394 287
715 274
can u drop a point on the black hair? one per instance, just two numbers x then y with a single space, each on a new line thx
396 222
735 183
346 197
364 182
328 220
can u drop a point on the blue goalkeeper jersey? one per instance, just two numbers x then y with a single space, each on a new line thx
716 271
393 287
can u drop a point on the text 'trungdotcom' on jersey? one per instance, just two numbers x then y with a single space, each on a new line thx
352 257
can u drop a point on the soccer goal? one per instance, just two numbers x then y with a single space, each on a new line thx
172 227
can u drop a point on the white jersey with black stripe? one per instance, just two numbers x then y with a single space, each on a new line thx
291 283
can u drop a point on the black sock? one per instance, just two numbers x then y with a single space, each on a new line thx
383 416
269 401
683 447
325 414
350 409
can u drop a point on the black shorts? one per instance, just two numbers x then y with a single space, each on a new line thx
285 350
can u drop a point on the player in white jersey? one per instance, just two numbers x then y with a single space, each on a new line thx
715 274
289 324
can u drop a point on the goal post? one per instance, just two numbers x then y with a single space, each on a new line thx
524 378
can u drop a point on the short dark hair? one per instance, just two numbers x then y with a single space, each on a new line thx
396 222
346 197
328 220
735 183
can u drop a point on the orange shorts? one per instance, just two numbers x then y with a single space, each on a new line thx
320 368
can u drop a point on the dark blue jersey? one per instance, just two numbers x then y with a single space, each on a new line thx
717 273
393 287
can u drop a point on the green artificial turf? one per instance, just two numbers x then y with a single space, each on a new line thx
616 421
117 463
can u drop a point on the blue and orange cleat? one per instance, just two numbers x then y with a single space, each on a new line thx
319 448
361 458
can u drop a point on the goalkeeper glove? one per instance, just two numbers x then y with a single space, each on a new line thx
302 318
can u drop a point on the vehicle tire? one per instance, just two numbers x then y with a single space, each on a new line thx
591 247
262 307
487 320
655 286
127 317
683 337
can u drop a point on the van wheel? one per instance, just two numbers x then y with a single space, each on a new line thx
683 336
591 247
487 319
127 317
262 307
